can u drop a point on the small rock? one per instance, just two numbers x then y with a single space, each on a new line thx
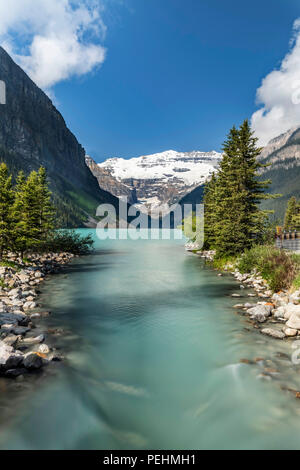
36 340
29 305
35 315
43 348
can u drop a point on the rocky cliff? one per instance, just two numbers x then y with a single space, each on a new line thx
33 133
283 157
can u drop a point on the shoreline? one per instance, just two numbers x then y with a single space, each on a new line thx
281 309
275 316
23 351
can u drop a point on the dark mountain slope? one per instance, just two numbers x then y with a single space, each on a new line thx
33 134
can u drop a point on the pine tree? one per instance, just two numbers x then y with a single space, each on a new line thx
46 208
291 214
210 212
232 205
33 211
296 218
6 204
20 233
230 199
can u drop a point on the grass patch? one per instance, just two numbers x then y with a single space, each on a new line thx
296 283
224 262
9 264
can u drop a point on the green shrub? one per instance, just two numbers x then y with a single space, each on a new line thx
68 241
278 267
296 283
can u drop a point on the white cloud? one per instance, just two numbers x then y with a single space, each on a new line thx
53 40
280 95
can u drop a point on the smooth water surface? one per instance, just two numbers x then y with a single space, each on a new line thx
153 350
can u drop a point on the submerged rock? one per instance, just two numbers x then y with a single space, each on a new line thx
14 373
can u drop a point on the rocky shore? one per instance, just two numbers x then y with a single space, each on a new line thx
21 350
276 314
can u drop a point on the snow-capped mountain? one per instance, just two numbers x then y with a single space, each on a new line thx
152 180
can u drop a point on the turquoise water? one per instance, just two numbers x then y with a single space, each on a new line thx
153 352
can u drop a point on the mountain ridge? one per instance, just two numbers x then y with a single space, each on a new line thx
158 179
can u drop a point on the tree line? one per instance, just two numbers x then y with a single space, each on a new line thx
28 221
234 221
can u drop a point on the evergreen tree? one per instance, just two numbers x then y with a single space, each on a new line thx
210 212
6 205
20 234
296 219
47 210
234 218
33 211
291 215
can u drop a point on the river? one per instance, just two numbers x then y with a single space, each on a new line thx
153 350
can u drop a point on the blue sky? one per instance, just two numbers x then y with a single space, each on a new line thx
177 73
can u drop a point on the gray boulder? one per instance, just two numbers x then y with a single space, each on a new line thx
273 333
32 361
12 319
294 318
260 313
9 358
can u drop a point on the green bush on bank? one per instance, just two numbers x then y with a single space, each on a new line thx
279 268
68 241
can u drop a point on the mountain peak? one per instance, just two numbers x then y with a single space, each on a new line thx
159 178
